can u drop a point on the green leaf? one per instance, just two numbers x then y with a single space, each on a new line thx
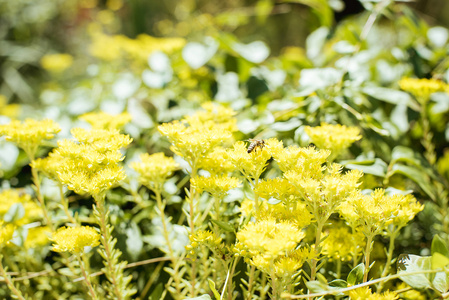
375 167
317 286
439 246
212 288
391 96
338 283
413 263
417 176
157 292
439 261
223 225
411 157
15 212
356 274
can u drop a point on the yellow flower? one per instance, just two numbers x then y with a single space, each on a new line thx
336 138
376 212
411 294
270 238
37 236
422 88
364 293
278 188
287 266
341 243
102 120
91 165
49 165
309 160
154 169
251 165
30 134
74 239
323 196
6 233
297 214
204 238
56 62
32 211
217 186
216 162
8 110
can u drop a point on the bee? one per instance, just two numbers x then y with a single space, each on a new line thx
254 144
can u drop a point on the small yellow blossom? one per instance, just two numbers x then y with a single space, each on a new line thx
341 244
91 165
422 88
30 134
32 211
217 186
114 47
74 239
297 214
336 138
214 115
56 62
204 238
376 212
278 188
287 266
154 169
411 294
323 197
309 160
6 233
49 165
102 120
251 165
37 236
364 293
216 162
8 110
270 238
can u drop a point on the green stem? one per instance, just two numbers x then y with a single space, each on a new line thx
313 268
86 277
369 240
161 206
389 258
65 205
9 281
105 239
231 275
40 198
250 282
192 199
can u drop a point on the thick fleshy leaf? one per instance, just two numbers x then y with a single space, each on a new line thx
439 246
375 167
391 96
415 263
356 274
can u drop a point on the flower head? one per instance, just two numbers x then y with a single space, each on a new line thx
56 62
336 138
30 134
74 239
217 186
102 120
422 88
154 169
91 165
341 244
32 211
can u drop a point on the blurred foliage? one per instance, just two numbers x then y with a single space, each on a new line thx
282 66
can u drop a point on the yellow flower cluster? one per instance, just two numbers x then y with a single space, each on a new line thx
335 138
375 212
251 165
340 242
216 162
204 238
217 186
364 293
32 211
309 160
278 188
37 236
6 233
8 110
193 138
114 47
49 165
269 238
56 62
154 169
323 195
91 165
74 239
423 88
102 120
30 134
